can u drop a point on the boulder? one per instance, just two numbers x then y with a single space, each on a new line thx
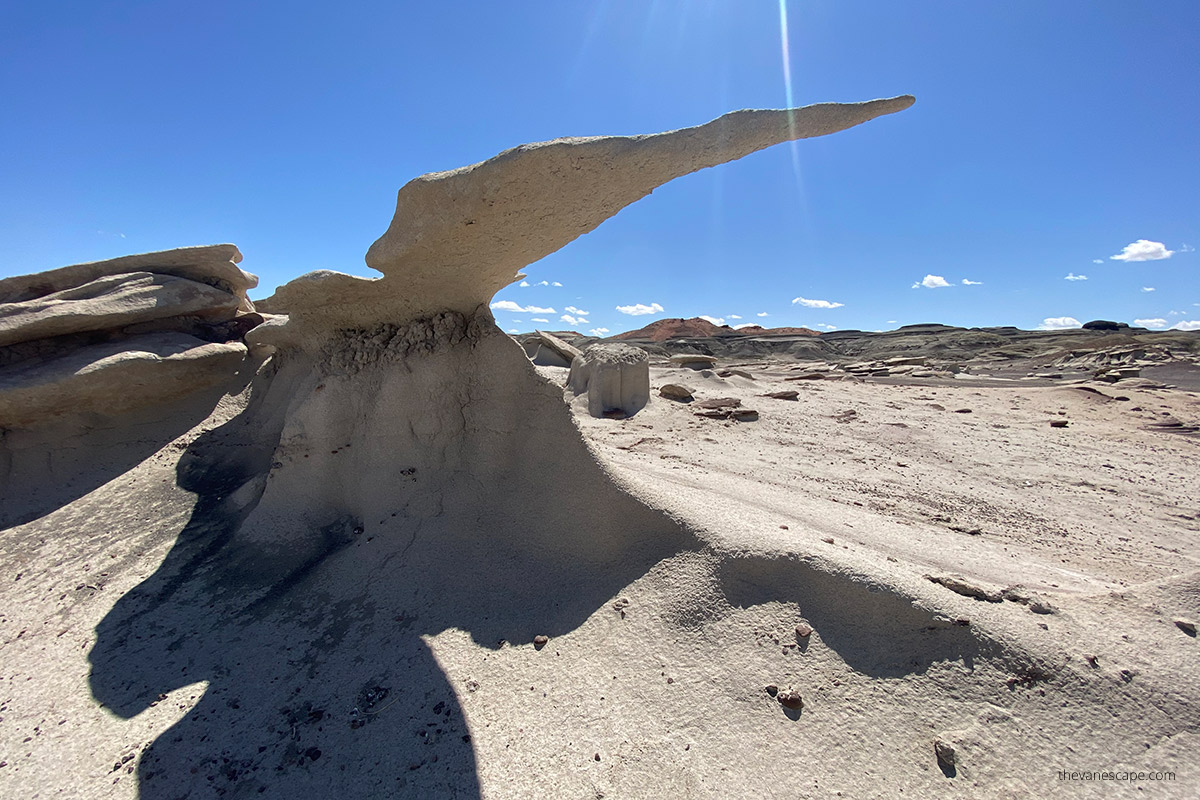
115 377
112 301
693 361
675 391
214 265
616 378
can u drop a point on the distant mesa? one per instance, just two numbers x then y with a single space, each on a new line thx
1105 325
699 328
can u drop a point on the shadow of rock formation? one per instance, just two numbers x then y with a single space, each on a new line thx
47 467
874 630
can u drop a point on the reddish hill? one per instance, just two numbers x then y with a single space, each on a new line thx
665 329
696 328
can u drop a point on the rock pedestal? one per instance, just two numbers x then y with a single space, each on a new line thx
615 377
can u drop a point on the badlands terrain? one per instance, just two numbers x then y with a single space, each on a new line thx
357 542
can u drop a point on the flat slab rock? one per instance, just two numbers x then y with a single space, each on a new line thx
693 360
112 301
115 377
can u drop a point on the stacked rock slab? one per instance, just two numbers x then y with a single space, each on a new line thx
111 336
547 350
615 377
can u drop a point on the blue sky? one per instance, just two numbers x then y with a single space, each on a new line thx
1046 138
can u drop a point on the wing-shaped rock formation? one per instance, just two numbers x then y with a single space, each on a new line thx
458 237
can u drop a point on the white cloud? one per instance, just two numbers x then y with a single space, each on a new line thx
1071 276
1150 323
638 309
556 283
1143 250
513 330
734 316
825 326
571 320
1097 260
509 305
713 320
971 283
1189 325
1147 288
817 303
744 325
1175 313
525 284
1059 324
763 314
598 331
891 322
1183 248
931 282
574 310
539 319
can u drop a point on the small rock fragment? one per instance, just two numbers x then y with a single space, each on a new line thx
961 586
962 411
784 395
772 689
1058 423
827 540
540 641
719 402
1186 625
744 414
804 630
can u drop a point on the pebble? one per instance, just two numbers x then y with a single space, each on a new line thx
827 540
772 689
540 641
1186 625
963 411
947 756
1058 423
804 630
790 698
